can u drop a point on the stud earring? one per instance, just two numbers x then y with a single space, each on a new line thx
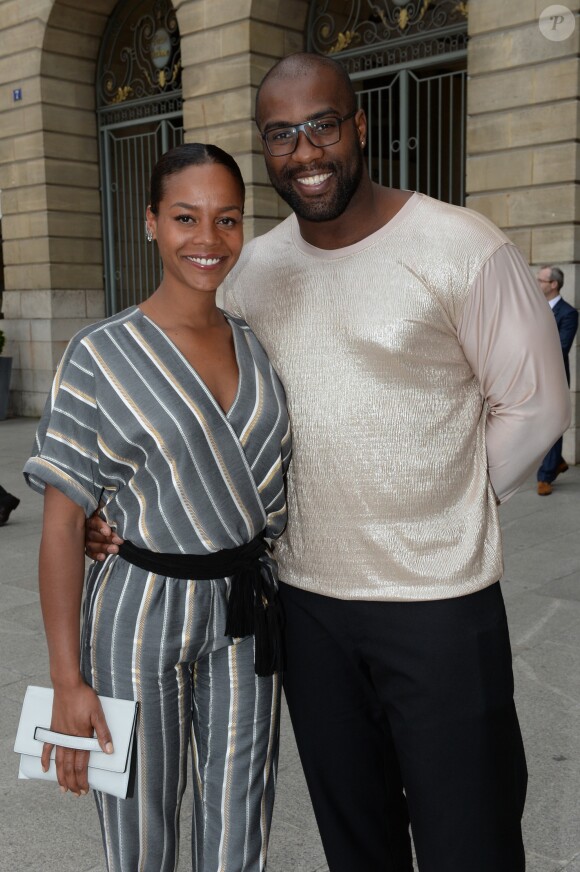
148 233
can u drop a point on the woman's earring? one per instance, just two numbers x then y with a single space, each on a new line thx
148 233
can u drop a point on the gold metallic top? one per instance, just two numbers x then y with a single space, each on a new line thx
391 352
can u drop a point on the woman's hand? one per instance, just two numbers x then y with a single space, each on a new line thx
100 539
76 709
76 712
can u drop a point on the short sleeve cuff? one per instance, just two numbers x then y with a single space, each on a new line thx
39 472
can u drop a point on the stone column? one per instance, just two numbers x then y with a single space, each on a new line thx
522 148
49 176
226 49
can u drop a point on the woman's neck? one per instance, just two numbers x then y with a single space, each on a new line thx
170 309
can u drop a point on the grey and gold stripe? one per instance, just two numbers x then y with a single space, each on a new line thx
130 423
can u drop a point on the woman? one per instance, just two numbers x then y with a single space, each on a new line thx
171 414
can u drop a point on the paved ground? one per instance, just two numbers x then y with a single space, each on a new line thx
44 832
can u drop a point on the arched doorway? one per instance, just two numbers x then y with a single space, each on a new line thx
139 106
408 62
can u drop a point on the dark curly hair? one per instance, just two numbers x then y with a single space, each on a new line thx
186 155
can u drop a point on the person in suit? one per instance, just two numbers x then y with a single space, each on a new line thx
551 279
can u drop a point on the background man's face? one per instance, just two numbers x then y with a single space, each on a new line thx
318 183
548 288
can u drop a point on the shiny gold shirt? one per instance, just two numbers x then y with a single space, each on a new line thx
388 387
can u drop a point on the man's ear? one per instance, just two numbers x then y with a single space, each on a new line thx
360 120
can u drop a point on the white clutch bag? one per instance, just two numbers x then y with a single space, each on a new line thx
107 772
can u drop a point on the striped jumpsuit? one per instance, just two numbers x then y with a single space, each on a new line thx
129 422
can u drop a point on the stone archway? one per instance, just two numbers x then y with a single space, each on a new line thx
51 205
49 171
139 107
408 64
73 210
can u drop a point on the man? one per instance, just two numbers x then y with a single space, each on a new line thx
550 280
395 323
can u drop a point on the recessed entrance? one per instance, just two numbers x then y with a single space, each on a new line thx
140 116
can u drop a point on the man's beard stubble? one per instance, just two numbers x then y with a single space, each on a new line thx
347 181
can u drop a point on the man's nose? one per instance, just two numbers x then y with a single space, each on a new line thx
305 151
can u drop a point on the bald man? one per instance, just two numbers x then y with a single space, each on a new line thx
424 380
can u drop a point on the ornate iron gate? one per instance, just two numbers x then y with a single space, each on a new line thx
407 61
140 117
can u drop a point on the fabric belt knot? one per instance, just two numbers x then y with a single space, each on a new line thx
254 606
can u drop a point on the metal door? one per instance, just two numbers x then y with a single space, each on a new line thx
407 60
140 117
133 268
416 136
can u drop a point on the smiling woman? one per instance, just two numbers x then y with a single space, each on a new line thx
196 219
171 415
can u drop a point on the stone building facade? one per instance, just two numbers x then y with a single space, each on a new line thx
522 153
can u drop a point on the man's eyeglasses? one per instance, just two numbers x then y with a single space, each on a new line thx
319 132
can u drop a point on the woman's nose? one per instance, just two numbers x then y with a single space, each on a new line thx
206 232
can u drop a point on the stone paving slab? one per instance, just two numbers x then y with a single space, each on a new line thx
42 831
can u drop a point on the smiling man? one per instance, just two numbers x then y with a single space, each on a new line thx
424 380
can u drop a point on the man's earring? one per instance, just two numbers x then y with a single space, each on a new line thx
148 233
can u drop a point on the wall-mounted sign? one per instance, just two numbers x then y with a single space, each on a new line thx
17 94
160 48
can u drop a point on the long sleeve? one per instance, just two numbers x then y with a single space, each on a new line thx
227 296
510 339
567 329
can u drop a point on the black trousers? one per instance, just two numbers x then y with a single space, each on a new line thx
413 696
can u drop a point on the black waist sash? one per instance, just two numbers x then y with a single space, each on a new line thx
253 605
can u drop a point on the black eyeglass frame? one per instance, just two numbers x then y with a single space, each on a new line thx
305 126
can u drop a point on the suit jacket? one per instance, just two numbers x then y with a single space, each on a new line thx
567 322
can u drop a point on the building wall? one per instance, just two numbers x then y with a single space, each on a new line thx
522 142
522 165
49 170
227 48
49 176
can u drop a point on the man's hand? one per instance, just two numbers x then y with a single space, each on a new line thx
100 539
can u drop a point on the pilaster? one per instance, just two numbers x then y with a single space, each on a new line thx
227 48
49 177
523 155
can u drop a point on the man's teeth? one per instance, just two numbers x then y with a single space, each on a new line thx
205 261
314 180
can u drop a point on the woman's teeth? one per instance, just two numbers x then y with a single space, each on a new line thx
205 261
